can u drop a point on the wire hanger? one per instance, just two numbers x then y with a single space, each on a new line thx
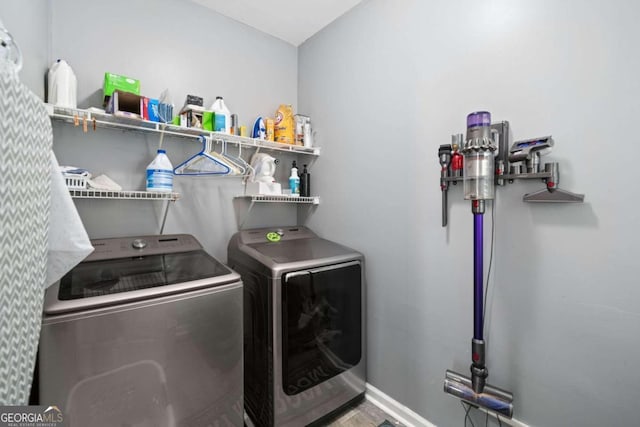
203 163
236 169
238 161
9 50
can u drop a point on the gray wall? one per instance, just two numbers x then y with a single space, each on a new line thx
28 23
189 49
386 85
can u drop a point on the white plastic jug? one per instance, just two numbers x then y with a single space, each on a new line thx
222 119
160 174
63 85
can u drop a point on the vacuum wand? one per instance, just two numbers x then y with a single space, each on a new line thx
444 154
478 370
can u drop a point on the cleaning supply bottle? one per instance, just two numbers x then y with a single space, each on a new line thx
284 127
222 119
160 174
305 183
294 180
62 85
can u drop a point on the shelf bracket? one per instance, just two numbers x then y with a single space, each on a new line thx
246 214
308 212
164 216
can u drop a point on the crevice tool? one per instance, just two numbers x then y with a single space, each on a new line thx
444 154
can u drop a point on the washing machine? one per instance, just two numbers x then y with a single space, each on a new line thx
304 325
146 331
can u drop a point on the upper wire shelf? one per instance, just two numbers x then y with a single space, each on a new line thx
92 119
123 195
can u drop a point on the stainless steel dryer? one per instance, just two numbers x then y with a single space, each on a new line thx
304 325
146 331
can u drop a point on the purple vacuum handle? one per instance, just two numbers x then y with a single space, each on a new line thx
477 275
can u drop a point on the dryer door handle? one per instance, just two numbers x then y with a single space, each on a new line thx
333 267
320 269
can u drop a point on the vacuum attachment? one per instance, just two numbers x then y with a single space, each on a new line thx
475 390
553 194
444 154
493 399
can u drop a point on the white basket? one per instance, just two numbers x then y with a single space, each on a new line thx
75 182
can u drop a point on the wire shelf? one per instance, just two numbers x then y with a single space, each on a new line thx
123 195
89 119
285 198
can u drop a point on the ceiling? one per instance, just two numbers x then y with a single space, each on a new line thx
293 21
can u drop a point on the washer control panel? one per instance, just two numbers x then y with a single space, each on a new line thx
126 247
275 234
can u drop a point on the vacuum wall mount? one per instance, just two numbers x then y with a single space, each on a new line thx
520 160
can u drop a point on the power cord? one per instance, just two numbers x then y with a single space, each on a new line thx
466 414
486 420
486 292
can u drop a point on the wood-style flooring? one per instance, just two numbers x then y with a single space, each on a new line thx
366 414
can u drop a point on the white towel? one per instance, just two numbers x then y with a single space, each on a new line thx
68 240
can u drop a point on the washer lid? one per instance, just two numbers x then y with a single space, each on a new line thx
311 249
117 281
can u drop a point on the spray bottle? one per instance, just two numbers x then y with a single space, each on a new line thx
294 180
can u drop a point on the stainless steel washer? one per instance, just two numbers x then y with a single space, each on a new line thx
304 325
146 331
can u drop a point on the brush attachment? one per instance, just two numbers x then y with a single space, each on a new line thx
490 398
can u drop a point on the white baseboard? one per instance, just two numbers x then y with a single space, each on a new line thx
409 418
396 409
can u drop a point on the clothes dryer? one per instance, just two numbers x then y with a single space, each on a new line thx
304 325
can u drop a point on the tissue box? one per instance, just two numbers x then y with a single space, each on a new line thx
149 109
267 188
125 104
152 110
194 116
113 82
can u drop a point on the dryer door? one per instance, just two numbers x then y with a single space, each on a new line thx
321 324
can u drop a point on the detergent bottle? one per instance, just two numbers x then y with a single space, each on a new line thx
284 126
160 174
222 119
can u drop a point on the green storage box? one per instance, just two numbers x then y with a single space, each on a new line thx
122 83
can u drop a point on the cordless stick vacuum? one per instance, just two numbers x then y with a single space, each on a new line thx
478 151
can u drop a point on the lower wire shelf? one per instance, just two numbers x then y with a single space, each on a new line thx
281 198
312 203
122 195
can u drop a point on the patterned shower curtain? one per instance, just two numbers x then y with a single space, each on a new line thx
25 188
